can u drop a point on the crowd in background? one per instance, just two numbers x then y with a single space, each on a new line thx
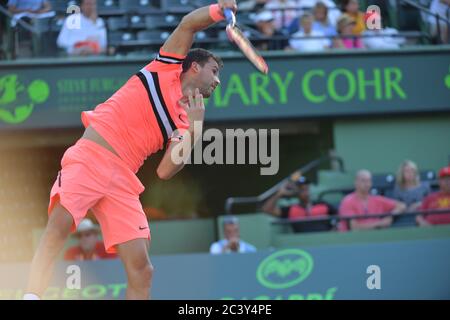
303 25
409 195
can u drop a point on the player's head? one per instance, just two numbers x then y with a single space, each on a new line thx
201 69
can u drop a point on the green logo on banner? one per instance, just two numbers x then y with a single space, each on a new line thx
447 79
285 269
17 100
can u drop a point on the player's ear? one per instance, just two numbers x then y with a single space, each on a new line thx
196 67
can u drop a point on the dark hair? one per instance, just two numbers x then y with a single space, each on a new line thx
201 56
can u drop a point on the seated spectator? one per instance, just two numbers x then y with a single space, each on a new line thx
29 6
232 241
321 21
436 201
441 8
284 15
351 8
90 38
383 38
362 203
304 209
89 247
408 188
265 25
346 39
308 39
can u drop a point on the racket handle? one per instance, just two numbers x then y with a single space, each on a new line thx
229 16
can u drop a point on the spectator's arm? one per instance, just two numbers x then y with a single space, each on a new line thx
270 206
358 225
400 207
180 41
12 7
65 40
46 7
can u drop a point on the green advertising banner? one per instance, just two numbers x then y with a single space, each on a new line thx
51 94
417 269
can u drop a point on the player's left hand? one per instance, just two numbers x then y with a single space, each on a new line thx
230 4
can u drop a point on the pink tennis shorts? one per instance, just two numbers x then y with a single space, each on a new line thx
92 177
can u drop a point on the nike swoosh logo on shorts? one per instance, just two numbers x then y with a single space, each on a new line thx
142 228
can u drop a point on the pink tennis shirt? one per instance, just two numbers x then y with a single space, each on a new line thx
140 118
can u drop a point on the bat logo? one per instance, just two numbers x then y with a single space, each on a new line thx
285 269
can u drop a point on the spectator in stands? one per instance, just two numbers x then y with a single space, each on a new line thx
321 21
264 23
362 203
308 39
90 38
351 8
284 12
89 246
408 188
304 209
232 241
29 6
437 201
441 8
382 38
346 39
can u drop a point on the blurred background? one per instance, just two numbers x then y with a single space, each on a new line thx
350 87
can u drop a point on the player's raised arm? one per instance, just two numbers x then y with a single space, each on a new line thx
180 41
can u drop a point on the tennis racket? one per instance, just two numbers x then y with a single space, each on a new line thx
235 35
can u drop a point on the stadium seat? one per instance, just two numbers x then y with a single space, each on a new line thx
60 6
137 6
117 23
427 175
161 21
117 37
106 6
178 6
153 36
383 182
137 22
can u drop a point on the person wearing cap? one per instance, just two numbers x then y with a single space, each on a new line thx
437 201
231 242
346 38
265 25
89 247
304 208
362 203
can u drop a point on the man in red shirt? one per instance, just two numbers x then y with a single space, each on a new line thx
436 201
304 209
361 202
89 246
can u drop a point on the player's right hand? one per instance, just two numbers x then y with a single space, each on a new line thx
195 108
228 4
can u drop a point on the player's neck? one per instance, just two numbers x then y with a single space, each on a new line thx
186 84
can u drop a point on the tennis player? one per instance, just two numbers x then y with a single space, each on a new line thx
155 109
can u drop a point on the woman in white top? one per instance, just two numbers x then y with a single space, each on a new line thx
85 33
